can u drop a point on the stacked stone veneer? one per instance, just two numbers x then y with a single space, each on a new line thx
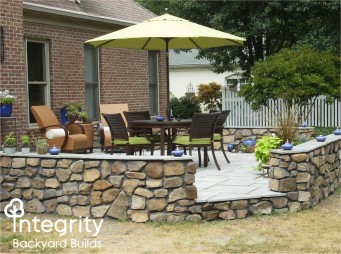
163 190
134 190
308 173
238 135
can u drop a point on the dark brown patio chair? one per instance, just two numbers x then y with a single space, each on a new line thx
201 135
137 115
136 132
104 131
120 137
219 128
56 134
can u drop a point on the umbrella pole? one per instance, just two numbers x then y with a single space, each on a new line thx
167 74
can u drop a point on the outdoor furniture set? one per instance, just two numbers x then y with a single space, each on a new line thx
135 131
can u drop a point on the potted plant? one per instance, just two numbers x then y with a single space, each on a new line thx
6 103
69 112
10 144
263 148
83 116
25 144
245 148
41 146
72 111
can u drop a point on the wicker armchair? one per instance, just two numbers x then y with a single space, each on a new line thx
56 134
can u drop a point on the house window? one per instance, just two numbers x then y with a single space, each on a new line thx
37 75
153 83
91 82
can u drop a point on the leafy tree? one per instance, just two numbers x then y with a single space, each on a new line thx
268 26
185 106
210 95
297 77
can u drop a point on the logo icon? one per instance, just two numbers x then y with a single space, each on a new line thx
14 211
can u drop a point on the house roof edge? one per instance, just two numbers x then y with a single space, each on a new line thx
75 14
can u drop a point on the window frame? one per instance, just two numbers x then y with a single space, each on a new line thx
92 83
47 82
157 84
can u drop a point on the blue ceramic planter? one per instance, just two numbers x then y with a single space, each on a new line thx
337 132
54 150
305 124
177 152
63 116
287 146
249 142
6 110
160 118
321 138
229 147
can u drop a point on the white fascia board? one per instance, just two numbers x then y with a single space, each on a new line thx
75 14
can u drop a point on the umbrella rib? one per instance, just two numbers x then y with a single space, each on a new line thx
146 43
194 43
105 43
236 42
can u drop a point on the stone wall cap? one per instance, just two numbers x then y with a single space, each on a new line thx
309 146
100 156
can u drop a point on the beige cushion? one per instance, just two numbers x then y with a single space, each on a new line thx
106 129
55 133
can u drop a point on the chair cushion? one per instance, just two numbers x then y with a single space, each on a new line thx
184 140
217 137
153 137
55 133
132 141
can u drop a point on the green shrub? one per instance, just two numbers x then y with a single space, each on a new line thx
263 147
324 130
184 107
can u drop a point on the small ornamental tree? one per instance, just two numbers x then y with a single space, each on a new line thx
297 77
210 96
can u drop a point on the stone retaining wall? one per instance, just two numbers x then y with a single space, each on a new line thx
308 173
140 189
238 135
129 190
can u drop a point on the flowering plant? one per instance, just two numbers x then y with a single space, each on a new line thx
10 139
247 148
6 98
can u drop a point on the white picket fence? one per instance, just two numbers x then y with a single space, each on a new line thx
242 116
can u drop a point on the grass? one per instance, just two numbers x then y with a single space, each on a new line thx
7 236
316 230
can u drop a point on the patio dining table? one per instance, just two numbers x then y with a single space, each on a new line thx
162 125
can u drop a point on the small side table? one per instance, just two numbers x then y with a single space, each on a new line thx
88 131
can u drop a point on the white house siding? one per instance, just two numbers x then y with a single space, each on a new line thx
181 78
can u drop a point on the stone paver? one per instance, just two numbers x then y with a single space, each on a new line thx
237 180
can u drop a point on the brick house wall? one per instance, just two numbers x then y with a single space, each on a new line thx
123 73
12 69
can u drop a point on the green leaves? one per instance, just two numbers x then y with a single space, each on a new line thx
210 95
293 75
263 147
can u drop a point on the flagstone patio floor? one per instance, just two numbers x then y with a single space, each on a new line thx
235 181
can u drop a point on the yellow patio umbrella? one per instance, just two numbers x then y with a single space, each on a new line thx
163 33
